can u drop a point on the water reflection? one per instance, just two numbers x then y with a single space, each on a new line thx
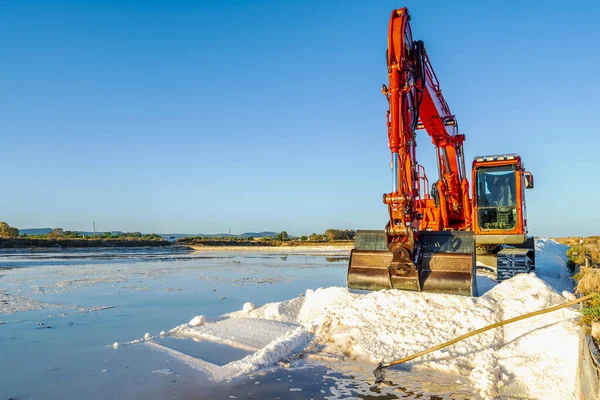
73 359
337 259
312 381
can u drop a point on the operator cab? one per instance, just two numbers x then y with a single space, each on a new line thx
496 197
498 183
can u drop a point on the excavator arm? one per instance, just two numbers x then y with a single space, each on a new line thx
424 245
416 103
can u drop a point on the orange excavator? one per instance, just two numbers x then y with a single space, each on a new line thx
432 238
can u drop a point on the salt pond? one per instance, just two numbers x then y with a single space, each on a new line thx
64 310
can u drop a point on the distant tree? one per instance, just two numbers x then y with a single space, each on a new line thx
332 234
56 233
349 234
338 234
303 237
283 235
152 236
71 234
8 231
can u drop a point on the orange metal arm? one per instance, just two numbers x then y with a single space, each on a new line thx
416 102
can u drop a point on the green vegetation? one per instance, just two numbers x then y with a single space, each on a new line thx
317 238
7 231
195 239
283 235
588 282
282 238
336 234
582 249
58 233
581 252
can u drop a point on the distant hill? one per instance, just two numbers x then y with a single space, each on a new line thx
259 234
99 233
35 231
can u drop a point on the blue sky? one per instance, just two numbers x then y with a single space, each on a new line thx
204 116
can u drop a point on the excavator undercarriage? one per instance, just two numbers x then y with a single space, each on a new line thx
442 262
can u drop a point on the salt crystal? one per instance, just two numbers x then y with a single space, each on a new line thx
248 306
568 295
197 321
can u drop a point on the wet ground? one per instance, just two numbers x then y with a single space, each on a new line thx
61 311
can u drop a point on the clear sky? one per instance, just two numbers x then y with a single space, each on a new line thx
204 116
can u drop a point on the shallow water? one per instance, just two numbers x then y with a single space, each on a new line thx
93 298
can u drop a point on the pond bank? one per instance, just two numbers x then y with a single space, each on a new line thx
25 243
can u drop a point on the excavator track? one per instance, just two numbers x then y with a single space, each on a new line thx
513 261
443 262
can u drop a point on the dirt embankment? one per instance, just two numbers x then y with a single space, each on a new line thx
79 243
576 241
590 245
272 245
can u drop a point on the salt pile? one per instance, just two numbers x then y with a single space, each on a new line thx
536 357
197 321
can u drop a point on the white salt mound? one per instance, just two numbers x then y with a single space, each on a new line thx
163 333
536 357
147 336
197 321
248 306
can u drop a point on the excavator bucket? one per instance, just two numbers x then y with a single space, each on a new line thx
446 264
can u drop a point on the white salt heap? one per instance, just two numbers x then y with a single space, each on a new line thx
536 357
197 321
248 306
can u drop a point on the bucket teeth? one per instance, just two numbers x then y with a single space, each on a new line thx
445 263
